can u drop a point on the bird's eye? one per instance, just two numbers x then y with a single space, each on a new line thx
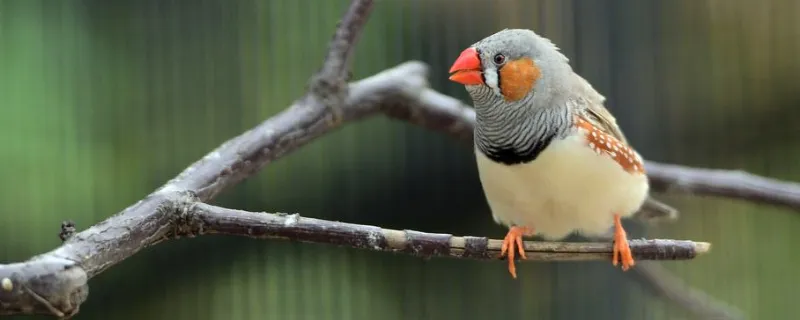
499 59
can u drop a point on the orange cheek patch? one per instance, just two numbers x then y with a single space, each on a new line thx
604 143
517 78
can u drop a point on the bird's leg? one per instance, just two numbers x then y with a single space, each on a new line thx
514 238
621 248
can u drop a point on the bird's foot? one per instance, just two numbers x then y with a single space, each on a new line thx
513 242
622 251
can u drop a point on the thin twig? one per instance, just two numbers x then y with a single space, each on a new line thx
340 50
44 302
724 183
203 218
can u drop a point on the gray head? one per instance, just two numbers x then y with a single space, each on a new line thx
511 65
519 83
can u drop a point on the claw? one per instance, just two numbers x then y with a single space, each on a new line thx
514 237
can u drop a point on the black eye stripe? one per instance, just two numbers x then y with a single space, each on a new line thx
499 81
483 74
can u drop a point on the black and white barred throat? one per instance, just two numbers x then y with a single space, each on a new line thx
515 132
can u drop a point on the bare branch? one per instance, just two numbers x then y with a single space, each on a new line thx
724 183
58 276
50 285
340 50
55 282
203 219
319 111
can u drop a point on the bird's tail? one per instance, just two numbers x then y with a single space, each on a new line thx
654 211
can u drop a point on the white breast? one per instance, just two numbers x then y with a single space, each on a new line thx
568 188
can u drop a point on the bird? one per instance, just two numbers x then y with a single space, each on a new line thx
551 158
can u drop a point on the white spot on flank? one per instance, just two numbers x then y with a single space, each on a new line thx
594 134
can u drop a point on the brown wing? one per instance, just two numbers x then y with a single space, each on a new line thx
603 142
599 117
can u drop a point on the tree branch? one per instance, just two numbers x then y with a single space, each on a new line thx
55 282
311 116
724 183
340 50
202 218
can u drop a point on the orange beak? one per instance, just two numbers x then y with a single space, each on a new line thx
467 68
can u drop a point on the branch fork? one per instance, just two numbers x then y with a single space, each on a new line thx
56 282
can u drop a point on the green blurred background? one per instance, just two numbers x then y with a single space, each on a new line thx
103 101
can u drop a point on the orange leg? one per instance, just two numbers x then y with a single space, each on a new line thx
621 248
514 237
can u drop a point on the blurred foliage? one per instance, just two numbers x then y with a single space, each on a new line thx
103 101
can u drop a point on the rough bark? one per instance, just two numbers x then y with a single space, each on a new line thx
55 282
